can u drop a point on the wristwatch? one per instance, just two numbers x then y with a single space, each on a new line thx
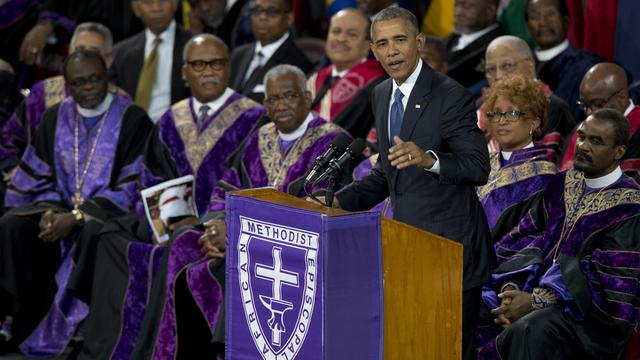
77 214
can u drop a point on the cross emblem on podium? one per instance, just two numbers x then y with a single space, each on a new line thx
278 276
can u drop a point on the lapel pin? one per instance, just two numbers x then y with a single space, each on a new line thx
417 106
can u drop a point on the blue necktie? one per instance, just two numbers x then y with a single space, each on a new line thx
397 112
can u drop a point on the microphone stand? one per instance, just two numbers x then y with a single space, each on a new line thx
328 198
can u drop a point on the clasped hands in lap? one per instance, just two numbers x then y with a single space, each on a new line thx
515 304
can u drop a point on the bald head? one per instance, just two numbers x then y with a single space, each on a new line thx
507 56
604 86
202 39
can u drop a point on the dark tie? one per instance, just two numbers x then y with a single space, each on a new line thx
397 112
203 114
258 65
326 85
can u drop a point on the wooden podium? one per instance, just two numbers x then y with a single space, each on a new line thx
309 282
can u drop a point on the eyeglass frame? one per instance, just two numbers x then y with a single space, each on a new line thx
290 97
488 73
588 105
149 2
491 116
214 64
270 12
93 79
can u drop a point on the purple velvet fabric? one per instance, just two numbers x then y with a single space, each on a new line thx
12 11
214 163
61 20
528 171
206 292
320 133
184 252
143 261
363 169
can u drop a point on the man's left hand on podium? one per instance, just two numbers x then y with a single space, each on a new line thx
335 205
406 153
213 241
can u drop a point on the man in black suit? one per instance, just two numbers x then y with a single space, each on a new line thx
133 58
432 155
270 22
475 24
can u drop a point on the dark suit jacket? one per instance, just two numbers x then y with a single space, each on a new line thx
465 66
447 205
287 53
128 59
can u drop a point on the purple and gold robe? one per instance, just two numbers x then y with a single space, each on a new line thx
582 244
45 179
363 169
527 172
178 146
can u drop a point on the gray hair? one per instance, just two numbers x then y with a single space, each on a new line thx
286 69
395 12
96 28
201 38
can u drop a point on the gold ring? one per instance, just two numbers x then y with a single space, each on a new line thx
410 158
34 50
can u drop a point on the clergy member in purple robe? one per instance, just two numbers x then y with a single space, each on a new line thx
195 137
516 114
19 130
186 319
363 169
80 171
567 283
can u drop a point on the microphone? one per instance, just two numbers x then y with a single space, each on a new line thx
337 165
337 147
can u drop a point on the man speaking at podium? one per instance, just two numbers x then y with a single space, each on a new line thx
432 155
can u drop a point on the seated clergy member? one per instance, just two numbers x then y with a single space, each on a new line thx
560 65
147 65
515 114
194 137
566 286
507 56
475 26
270 24
434 53
341 92
279 155
80 171
20 129
605 86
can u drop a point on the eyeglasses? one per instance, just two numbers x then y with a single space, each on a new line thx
271 12
596 104
506 67
290 97
81 82
149 2
215 64
509 116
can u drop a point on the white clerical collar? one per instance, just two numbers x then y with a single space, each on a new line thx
214 105
98 110
341 74
606 180
167 36
407 85
546 55
295 134
268 50
465 39
507 154
629 108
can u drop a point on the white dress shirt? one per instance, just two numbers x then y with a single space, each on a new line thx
214 105
405 89
629 108
546 55
267 52
465 39
161 92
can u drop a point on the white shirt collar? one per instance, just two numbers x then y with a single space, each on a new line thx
167 36
507 154
408 84
341 74
465 39
546 55
294 135
98 110
213 105
268 50
629 108
606 180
